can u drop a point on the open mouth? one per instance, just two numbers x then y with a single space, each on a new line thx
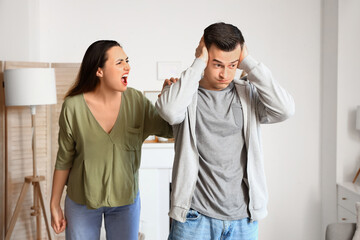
124 79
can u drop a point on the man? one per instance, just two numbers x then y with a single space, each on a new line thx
218 186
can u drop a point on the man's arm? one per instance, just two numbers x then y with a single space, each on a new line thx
175 98
274 103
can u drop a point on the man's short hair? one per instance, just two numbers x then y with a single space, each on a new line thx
225 36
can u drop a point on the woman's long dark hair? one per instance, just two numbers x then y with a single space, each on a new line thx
95 57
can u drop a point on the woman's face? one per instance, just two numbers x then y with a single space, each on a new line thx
115 72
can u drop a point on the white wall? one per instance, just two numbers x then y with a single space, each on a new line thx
329 70
348 154
15 31
283 34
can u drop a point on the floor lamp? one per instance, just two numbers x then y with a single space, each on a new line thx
357 126
30 87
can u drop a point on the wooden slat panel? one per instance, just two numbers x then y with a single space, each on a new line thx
18 153
19 159
12 65
2 153
65 76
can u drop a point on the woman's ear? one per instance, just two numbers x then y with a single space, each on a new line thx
99 72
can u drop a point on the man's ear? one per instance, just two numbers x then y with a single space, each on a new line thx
99 72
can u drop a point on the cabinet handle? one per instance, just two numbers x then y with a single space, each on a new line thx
343 219
344 198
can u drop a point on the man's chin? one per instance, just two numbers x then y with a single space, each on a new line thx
222 83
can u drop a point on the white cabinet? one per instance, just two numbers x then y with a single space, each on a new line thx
348 195
154 180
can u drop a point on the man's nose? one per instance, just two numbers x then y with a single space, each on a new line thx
224 73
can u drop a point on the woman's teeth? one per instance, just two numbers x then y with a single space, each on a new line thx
124 78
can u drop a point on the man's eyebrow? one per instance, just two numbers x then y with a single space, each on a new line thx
215 60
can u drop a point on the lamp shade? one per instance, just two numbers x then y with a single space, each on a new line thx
358 118
29 86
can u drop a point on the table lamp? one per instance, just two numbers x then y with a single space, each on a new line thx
30 87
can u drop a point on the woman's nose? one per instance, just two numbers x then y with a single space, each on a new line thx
127 67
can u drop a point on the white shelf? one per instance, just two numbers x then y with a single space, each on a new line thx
348 194
157 155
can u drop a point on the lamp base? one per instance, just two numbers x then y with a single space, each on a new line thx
35 181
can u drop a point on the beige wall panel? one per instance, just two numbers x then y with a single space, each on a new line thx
19 159
65 76
2 154
16 154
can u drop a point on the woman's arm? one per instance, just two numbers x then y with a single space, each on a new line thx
58 221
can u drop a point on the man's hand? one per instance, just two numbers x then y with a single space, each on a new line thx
58 221
243 54
168 82
201 51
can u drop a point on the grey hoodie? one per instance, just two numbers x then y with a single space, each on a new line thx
263 101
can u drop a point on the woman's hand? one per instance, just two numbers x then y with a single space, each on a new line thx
168 82
58 221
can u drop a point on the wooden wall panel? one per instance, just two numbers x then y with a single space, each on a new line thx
16 153
2 154
19 159
65 76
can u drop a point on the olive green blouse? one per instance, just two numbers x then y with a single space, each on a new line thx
104 166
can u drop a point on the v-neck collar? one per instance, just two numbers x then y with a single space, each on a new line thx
98 124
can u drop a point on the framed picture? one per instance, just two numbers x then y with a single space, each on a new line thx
152 95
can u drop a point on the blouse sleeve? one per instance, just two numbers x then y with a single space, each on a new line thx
66 151
153 123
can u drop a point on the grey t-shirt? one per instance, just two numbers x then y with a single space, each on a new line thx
220 191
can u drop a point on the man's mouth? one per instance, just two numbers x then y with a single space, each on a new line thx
222 80
124 79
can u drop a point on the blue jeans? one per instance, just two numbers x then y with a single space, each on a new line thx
200 227
120 222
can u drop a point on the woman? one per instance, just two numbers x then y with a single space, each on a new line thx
102 127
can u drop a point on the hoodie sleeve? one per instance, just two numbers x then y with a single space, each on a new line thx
273 103
175 99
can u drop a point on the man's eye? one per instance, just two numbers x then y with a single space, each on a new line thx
127 61
217 65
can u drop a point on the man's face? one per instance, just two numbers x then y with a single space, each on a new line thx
221 68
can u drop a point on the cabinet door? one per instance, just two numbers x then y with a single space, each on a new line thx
154 194
345 216
347 199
